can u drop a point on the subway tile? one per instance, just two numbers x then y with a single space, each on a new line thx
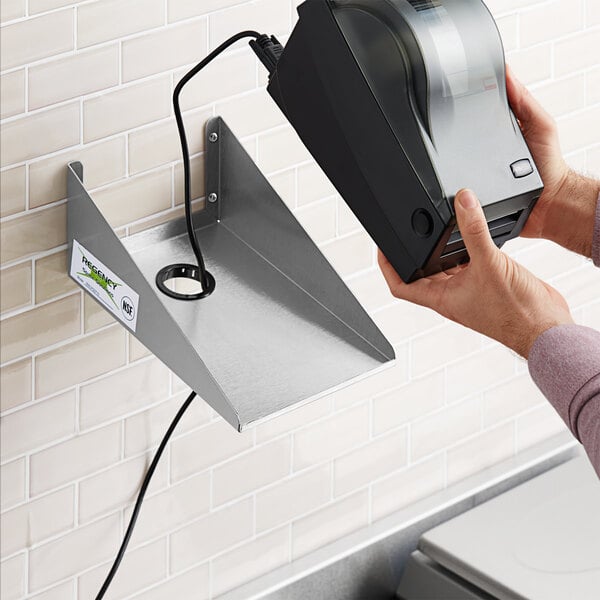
350 254
38 6
329 524
74 458
63 591
435 349
280 150
111 19
78 361
33 426
406 403
40 133
260 556
293 497
15 383
137 350
252 470
559 18
126 108
123 392
592 85
331 437
30 40
532 64
34 522
509 31
73 76
173 507
578 52
12 94
403 320
363 465
196 579
313 184
140 568
145 430
299 417
16 287
563 96
371 290
198 180
42 326
185 9
123 481
13 578
210 535
12 484
478 372
145 194
445 428
592 13
547 260
12 191
576 132
95 316
537 426
51 278
265 15
481 452
509 399
164 49
159 144
593 161
79 550
205 447
408 486
319 220
12 9
346 221
103 163
216 82
251 113
34 232
500 6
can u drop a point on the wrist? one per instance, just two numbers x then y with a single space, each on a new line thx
571 217
536 331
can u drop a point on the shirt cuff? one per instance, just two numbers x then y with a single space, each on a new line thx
562 361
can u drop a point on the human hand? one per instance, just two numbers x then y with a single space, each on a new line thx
492 294
565 213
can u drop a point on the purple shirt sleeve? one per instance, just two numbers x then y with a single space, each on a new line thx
565 364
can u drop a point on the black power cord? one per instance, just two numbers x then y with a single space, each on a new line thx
142 493
268 49
203 276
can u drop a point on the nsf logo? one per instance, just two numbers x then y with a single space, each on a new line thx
127 308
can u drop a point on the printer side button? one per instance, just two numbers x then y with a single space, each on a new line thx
522 168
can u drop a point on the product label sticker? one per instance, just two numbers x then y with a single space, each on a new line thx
97 279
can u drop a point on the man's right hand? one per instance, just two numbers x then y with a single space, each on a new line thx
565 213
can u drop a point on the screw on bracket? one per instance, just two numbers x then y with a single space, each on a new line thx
212 198
213 137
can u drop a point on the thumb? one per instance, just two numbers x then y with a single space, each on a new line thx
473 226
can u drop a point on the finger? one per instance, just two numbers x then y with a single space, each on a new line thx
530 113
473 226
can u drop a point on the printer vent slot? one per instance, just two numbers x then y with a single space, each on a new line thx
498 228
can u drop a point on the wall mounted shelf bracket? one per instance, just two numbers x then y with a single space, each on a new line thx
280 329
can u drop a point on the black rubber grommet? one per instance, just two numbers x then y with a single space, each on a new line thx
422 223
182 271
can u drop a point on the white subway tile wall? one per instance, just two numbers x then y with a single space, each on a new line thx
84 405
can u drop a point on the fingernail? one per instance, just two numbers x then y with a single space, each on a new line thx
467 199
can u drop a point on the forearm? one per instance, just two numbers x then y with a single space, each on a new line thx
565 364
571 216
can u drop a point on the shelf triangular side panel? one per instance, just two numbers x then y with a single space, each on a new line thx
280 329
156 328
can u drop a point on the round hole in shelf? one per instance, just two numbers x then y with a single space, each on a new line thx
182 282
